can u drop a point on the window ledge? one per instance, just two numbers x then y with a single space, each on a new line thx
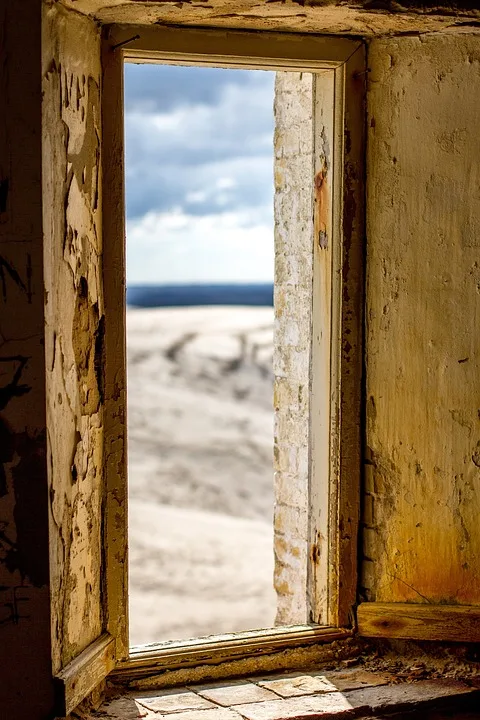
346 693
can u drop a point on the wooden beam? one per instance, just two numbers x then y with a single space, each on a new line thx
220 47
84 673
446 623
347 317
114 293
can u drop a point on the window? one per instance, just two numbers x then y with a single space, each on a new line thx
199 247
318 287
317 299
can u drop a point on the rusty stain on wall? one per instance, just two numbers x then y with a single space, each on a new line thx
321 208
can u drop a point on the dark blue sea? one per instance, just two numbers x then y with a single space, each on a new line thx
148 296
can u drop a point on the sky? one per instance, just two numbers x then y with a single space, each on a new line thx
199 174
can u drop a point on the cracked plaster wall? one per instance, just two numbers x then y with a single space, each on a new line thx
74 331
421 536
360 18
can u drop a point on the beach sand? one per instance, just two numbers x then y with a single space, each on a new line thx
200 436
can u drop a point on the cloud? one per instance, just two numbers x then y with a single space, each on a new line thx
159 188
199 146
170 155
155 88
177 247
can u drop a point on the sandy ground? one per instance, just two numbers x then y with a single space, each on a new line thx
200 426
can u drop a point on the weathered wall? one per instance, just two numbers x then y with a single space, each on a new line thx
293 321
304 158
362 18
421 535
74 331
25 686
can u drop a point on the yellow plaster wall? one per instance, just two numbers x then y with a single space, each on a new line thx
421 530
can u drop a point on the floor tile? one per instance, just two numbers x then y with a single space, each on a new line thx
330 705
169 701
234 692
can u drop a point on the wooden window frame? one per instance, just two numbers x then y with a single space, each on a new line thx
337 325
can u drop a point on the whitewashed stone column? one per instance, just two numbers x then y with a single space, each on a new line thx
294 169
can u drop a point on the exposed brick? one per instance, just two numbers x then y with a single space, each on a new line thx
293 210
368 516
291 490
369 484
291 422
292 363
368 576
369 542
290 521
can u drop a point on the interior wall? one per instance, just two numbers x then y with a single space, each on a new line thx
74 316
24 569
421 502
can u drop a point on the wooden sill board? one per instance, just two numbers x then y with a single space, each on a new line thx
442 623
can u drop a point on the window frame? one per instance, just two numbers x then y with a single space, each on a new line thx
335 401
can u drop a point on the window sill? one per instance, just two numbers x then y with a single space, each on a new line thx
346 693
213 656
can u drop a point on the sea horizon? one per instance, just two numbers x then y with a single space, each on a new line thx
150 295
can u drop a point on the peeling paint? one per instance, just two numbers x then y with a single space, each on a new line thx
74 328
321 208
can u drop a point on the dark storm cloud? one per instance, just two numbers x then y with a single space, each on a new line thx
154 88
197 138
165 187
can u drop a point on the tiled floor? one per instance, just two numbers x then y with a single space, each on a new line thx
349 693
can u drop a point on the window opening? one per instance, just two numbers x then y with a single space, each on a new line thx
199 186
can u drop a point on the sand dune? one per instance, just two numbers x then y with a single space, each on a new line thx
196 573
200 471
